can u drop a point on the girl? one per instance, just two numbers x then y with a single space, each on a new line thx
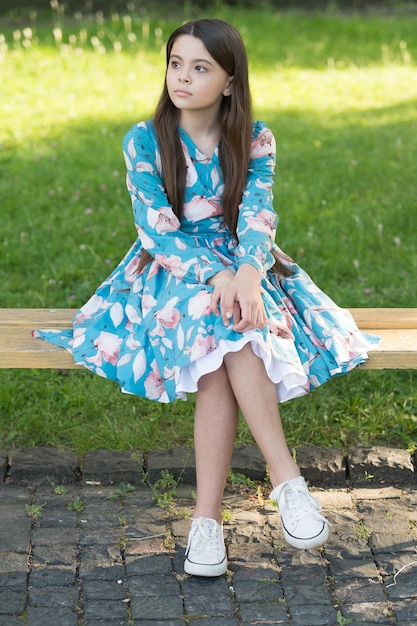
205 301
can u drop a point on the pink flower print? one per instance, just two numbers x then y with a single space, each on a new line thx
264 222
173 264
280 329
192 175
144 166
202 346
108 347
148 302
201 208
168 317
163 220
199 305
154 384
78 337
91 307
130 272
263 145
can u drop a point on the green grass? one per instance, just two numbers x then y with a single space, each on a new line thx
339 92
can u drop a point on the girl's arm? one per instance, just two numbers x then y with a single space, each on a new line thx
257 221
157 225
239 296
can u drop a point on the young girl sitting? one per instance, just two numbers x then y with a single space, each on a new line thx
205 301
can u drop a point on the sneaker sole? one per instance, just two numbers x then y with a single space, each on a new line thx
306 544
201 569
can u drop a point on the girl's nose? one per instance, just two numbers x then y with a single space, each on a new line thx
184 77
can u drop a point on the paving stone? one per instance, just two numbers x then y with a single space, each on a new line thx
195 585
99 536
148 564
359 591
253 572
120 621
12 602
352 568
100 556
202 621
179 461
103 589
322 467
406 585
92 572
52 576
406 611
348 545
14 534
54 555
4 460
9 620
377 493
248 460
381 543
156 607
104 609
261 590
111 467
371 612
178 622
385 516
13 562
58 597
264 613
16 581
55 536
42 616
309 593
385 465
58 519
36 466
209 605
153 585
312 614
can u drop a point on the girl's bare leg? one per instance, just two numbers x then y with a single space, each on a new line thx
256 396
215 426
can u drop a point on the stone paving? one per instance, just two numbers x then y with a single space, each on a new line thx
85 542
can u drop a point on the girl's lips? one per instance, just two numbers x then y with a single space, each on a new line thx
181 92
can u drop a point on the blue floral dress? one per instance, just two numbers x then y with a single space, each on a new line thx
154 333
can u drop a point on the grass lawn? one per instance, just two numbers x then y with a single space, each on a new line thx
340 94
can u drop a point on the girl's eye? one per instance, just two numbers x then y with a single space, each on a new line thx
201 68
175 64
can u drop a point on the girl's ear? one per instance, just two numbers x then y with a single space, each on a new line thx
228 89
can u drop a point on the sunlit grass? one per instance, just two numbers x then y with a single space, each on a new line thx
340 94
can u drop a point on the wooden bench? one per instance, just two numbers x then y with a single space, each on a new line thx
397 328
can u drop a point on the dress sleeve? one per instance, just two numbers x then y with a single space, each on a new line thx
257 220
156 223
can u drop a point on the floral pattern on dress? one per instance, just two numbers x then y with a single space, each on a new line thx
154 332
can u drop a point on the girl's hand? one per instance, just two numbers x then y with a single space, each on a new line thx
221 282
239 297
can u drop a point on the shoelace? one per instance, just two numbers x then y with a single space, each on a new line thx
290 495
205 534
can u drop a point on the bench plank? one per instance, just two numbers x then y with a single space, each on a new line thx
397 328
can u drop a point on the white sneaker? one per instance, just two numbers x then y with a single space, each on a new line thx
205 553
303 526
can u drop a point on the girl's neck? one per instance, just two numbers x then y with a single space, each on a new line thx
205 133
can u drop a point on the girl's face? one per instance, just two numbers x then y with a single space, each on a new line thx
195 81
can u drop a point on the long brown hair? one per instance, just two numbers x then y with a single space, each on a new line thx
224 43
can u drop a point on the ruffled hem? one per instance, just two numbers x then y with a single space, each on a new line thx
290 381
